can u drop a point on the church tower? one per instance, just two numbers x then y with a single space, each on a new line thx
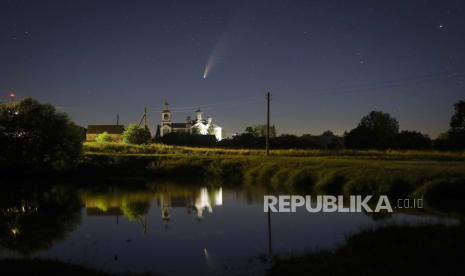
198 115
166 115
165 127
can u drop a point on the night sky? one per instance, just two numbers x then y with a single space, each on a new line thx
326 63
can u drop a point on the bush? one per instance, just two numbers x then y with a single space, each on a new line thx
35 136
136 135
103 137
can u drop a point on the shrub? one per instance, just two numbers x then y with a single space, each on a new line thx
103 137
136 135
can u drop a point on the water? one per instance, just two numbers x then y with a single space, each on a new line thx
171 229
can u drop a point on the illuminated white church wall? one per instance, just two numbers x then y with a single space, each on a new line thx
197 126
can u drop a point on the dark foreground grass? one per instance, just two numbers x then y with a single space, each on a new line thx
45 267
390 250
54 267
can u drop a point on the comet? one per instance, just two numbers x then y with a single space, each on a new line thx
206 71
214 58
225 41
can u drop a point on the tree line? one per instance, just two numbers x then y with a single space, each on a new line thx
376 130
36 136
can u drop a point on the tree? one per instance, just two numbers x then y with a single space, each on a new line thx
103 137
376 130
457 121
260 131
136 135
251 131
456 133
412 140
35 136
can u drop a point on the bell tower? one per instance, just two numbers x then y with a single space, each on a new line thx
166 115
198 115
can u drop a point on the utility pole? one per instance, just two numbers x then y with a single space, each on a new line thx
117 119
145 117
268 99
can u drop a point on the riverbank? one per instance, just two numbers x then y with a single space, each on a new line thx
161 149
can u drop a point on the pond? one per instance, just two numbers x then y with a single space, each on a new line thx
171 228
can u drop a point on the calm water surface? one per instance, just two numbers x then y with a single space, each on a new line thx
176 229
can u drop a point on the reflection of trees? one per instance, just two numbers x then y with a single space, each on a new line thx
134 209
32 221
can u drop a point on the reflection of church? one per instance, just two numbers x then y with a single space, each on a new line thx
197 126
198 201
201 202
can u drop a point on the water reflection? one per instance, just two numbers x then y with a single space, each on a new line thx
34 221
135 205
168 228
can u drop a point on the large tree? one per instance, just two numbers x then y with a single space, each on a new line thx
376 130
36 136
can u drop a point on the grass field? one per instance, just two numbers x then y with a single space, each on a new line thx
121 148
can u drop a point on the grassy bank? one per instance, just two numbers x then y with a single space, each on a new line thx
391 250
160 149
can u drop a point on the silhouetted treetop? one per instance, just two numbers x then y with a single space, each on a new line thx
457 121
36 136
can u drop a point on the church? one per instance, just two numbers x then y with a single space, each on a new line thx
196 126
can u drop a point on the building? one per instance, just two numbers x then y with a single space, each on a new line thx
197 126
115 132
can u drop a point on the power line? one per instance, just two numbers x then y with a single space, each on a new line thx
389 84
211 106
364 88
